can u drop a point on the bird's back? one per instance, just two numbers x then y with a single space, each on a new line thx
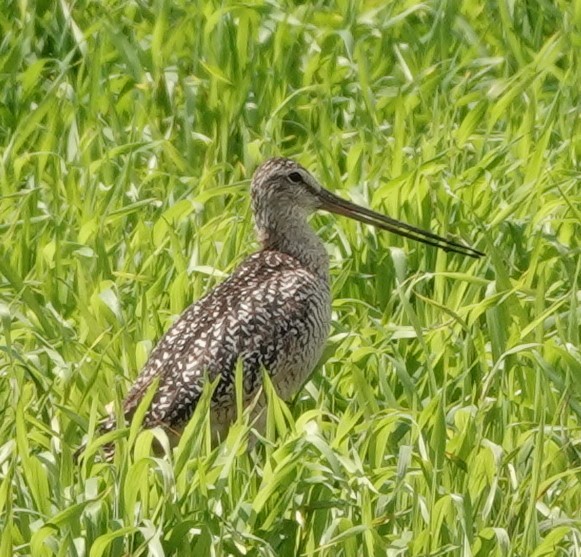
271 313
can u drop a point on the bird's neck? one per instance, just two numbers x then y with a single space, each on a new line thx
293 235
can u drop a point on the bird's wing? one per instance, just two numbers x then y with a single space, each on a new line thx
252 316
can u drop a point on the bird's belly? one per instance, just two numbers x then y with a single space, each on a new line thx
288 350
294 367
291 372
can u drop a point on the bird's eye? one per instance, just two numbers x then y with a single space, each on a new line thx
295 177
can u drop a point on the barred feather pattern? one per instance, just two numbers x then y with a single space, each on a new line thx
272 313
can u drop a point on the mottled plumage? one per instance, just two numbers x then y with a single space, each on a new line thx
272 313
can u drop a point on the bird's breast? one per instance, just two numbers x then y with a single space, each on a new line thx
304 346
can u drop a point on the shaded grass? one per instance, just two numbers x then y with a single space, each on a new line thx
445 417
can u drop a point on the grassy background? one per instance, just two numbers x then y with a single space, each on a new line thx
445 418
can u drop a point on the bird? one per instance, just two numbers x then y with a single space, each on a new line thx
272 313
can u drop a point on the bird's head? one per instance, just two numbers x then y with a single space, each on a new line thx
283 189
284 184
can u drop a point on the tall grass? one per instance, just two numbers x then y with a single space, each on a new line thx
445 416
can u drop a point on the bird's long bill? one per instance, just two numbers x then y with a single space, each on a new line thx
334 204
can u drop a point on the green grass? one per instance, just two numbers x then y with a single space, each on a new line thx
445 419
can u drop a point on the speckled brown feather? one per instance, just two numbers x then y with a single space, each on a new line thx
266 309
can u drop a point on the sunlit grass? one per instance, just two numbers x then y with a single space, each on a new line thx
445 417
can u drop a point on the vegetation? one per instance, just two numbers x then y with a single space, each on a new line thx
445 417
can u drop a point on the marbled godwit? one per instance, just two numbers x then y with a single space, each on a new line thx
272 313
